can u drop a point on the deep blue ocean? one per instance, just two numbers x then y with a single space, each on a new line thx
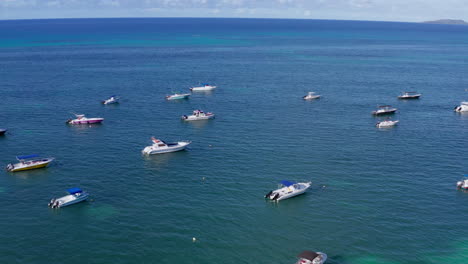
378 195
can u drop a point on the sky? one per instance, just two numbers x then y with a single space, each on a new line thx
378 10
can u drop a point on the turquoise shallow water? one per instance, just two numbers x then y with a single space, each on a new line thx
378 196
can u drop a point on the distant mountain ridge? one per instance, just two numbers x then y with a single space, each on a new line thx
447 21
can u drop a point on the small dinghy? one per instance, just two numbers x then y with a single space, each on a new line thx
75 195
384 110
463 107
311 257
160 147
2 131
203 87
29 162
177 96
198 115
409 95
463 184
387 123
82 119
111 100
311 96
289 189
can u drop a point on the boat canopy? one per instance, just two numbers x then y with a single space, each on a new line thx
74 190
287 183
27 157
310 255
205 84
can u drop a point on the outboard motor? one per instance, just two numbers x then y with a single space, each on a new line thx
268 194
68 121
459 184
276 197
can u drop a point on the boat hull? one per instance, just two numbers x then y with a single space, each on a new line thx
389 112
286 192
150 150
203 88
196 118
88 121
177 97
68 200
409 97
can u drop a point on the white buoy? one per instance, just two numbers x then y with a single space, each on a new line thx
194 239
203 178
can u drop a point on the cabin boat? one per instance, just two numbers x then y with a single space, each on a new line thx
384 110
160 147
311 257
203 87
2 131
288 189
75 195
198 115
463 107
82 119
409 95
29 162
463 184
386 123
177 96
311 96
111 100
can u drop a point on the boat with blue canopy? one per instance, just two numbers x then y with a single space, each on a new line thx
29 162
75 195
287 190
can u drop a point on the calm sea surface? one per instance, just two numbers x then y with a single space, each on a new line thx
378 196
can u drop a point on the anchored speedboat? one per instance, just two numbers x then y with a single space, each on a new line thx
463 107
203 87
463 184
160 147
311 257
384 110
75 195
29 162
311 96
198 115
111 100
82 119
177 96
387 123
289 189
409 95
2 131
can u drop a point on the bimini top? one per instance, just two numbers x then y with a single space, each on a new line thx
74 190
27 157
310 255
287 183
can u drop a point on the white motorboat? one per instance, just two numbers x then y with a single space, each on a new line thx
311 257
409 95
111 100
463 184
82 119
311 96
387 123
75 195
289 189
203 87
177 96
29 162
198 115
463 107
160 147
384 110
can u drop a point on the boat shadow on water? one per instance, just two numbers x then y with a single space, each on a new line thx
160 160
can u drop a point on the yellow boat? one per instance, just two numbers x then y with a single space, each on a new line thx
29 162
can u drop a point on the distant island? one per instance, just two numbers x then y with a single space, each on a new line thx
447 21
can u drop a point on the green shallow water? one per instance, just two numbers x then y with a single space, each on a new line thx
378 196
